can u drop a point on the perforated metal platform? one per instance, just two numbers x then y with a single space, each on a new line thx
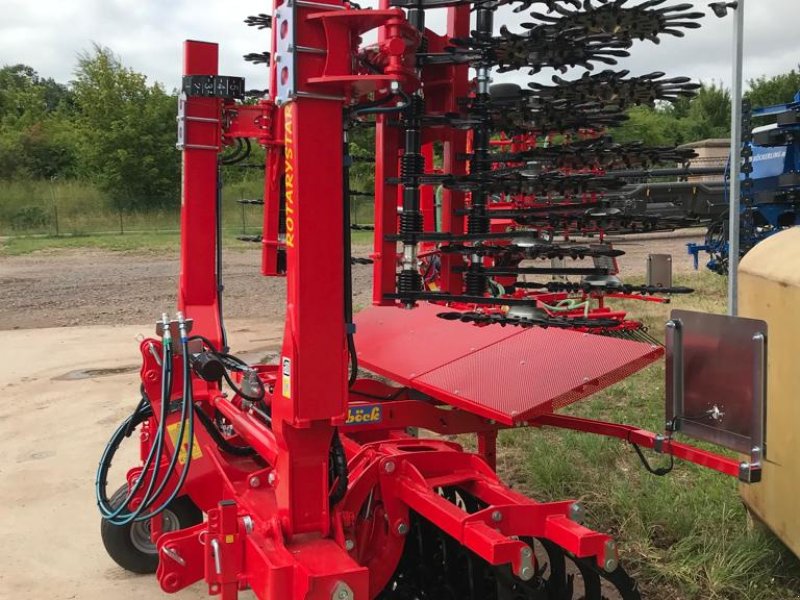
508 374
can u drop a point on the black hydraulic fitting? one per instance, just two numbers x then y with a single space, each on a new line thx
208 366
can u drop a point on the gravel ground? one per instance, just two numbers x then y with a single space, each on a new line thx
79 287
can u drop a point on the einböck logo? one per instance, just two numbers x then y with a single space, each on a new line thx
360 415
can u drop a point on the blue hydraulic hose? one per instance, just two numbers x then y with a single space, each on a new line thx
188 403
114 514
117 516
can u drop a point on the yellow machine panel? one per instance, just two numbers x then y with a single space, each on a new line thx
769 289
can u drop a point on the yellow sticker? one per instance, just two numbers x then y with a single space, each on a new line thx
364 414
229 539
286 378
173 431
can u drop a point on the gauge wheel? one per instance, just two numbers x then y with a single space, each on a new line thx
130 545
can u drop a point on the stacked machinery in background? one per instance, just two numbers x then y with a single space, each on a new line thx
302 479
770 199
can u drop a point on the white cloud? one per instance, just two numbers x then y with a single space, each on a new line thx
147 35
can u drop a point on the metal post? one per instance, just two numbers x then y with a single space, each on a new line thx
735 158
55 203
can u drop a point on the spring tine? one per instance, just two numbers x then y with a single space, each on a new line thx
261 21
258 58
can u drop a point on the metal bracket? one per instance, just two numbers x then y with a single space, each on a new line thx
674 385
284 26
183 120
213 86
659 270
716 381
173 328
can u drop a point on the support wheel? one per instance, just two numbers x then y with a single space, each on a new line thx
130 545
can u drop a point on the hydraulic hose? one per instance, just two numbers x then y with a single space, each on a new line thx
187 414
117 515
338 470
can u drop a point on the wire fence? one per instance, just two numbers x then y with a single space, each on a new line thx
75 212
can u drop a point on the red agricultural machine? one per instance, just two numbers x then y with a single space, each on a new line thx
305 479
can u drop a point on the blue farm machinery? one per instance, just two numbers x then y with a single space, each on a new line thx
770 199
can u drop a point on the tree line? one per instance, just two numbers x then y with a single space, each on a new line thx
108 126
113 129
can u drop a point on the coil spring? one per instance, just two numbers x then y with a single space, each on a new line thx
475 281
410 222
409 281
412 165
478 221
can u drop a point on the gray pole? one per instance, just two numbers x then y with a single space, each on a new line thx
735 159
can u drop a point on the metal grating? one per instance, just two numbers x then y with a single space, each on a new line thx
508 374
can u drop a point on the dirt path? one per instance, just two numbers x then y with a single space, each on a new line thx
94 287
53 426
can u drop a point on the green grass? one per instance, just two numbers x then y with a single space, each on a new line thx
684 536
76 208
130 242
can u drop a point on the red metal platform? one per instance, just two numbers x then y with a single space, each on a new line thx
509 374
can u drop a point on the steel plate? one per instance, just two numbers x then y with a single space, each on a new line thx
716 378
504 373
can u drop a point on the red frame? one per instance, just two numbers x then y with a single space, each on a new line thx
270 526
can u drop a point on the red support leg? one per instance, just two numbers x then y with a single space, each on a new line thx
201 123
313 389
487 447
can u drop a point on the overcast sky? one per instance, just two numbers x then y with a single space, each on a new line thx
147 35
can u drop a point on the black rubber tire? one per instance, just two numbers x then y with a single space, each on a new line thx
118 539
505 90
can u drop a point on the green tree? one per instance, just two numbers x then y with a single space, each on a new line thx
127 132
37 134
705 116
709 114
653 126
768 91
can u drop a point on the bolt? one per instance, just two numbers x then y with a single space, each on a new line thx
255 482
402 528
248 523
497 516
271 478
349 545
577 513
526 573
526 552
389 466
610 563
342 591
